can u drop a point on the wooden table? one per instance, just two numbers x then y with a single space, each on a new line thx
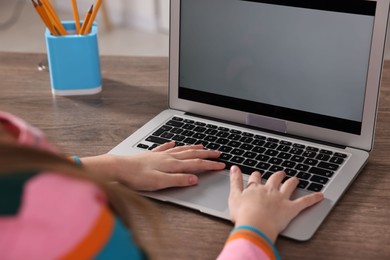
135 89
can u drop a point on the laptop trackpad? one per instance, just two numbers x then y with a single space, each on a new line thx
212 192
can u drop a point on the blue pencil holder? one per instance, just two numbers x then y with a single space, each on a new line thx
74 63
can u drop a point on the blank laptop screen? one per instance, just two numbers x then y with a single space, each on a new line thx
303 61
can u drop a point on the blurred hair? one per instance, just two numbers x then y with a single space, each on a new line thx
15 158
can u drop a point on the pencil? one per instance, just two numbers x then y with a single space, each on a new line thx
93 16
76 16
44 18
86 20
53 17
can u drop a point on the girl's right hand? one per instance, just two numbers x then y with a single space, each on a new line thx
266 207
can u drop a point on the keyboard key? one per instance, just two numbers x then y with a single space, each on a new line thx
222 141
302 167
322 157
247 140
211 126
290 172
300 146
250 155
190 140
175 123
237 152
210 138
270 145
326 152
258 149
312 149
284 156
319 179
309 154
271 152
225 157
296 151
258 142
321 172
275 161
311 162
237 159
329 166
234 137
315 187
283 148
275 168
178 138
200 129
188 126
222 134
212 146
266 175
250 162
225 149
263 166
221 128
247 147
302 184
199 136
262 158
297 158
341 155
234 144
336 160
143 146
211 131
157 140
273 140
289 164
303 175
247 134
177 118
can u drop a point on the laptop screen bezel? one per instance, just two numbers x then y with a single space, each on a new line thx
364 140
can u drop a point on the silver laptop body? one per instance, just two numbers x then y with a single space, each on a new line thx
305 73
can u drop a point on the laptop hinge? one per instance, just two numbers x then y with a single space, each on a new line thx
268 123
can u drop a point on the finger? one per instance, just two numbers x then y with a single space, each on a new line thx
192 165
166 180
236 181
196 153
276 179
255 177
289 186
164 147
307 201
186 147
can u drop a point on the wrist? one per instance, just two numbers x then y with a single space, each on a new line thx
265 228
102 165
260 237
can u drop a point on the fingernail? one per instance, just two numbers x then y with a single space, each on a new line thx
193 180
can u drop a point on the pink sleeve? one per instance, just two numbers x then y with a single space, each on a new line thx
248 243
25 133
56 215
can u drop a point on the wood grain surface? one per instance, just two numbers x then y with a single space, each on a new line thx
134 90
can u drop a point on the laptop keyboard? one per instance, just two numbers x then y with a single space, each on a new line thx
313 166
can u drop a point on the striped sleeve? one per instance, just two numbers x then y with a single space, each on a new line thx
246 242
64 218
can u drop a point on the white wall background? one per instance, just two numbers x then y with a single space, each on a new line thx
147 15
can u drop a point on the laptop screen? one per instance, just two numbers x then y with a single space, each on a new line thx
302 61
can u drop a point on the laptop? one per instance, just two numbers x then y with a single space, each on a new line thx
287 85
